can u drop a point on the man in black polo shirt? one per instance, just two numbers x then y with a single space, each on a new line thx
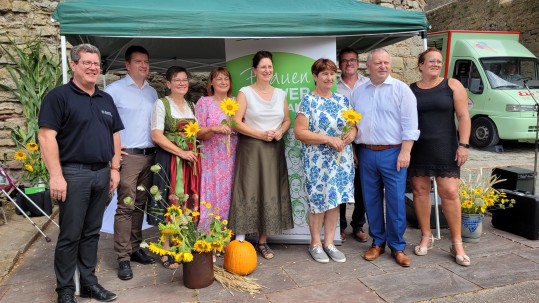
80 144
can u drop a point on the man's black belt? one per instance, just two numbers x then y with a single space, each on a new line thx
94 166
140 151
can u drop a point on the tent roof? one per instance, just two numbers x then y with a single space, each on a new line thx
192 32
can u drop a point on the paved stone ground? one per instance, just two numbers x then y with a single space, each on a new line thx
505 267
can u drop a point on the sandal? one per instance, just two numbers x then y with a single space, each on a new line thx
264 249
169 262
462 260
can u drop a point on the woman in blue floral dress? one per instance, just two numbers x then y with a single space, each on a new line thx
329 180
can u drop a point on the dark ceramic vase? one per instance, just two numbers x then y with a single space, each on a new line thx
199 272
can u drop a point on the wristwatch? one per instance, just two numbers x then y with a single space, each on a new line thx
464 145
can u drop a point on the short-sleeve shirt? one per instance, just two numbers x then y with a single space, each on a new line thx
84 123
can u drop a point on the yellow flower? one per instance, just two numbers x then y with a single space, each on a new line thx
29 167
187 257
32 146
229 107
199 246
191 129
212 214
225 222
217 217
351 116
20 155
195 214
208 205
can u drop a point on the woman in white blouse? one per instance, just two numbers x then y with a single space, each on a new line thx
261 196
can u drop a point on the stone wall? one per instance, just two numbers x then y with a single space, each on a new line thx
24 19
494 15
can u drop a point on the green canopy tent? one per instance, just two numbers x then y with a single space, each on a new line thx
192 33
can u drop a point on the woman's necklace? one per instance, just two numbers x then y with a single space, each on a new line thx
180 104
326 95
430 84
264 91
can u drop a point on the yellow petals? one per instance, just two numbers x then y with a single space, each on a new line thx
191 129
20 155
229 107
351 116
32 146
29 168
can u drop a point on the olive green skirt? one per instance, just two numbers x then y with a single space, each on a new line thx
261 195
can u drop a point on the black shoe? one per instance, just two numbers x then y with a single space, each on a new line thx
124 270
141 257
66 298
97 292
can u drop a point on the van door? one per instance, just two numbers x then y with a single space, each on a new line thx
484 132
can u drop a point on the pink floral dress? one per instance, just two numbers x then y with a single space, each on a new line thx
217 166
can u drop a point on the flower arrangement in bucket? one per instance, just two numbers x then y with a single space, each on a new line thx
35 172
476 197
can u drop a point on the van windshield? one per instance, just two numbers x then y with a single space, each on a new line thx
511 72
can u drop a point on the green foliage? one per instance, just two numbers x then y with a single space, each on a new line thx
34 73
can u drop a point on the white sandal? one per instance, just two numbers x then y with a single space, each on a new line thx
422 250
462 260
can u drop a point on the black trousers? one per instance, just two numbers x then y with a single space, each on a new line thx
358 215
81 216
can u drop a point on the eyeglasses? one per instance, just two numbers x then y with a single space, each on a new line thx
432 61
88 64
180 80
353 60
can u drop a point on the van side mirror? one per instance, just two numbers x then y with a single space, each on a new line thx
475 86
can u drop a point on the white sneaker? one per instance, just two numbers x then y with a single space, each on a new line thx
335 254
318 254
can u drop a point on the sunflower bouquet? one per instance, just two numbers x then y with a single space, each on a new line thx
180 231
34 168
190 130
477 195
229 108
352 118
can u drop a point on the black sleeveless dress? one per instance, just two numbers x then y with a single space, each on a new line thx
433 154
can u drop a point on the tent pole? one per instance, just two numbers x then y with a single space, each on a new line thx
64 59
424 38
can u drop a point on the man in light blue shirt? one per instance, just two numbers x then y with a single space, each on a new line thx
385 138
134 98
350 81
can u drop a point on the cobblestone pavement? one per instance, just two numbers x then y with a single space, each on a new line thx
505 266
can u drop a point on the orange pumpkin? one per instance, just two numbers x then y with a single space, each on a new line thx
240 257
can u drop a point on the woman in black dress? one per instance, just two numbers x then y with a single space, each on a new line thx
439 152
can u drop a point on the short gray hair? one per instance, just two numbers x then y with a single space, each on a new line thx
83 48
374 51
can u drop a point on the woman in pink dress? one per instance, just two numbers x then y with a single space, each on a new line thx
217 166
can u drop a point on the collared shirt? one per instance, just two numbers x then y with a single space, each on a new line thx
344 89
389 112
84 123
135 107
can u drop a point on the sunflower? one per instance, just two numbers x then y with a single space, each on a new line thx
229 107
29 167
187 257
20 155
191 129
351 116
32 146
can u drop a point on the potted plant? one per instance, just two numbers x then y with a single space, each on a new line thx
34 72
185 242
476 197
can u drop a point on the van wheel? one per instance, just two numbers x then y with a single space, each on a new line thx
484 133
